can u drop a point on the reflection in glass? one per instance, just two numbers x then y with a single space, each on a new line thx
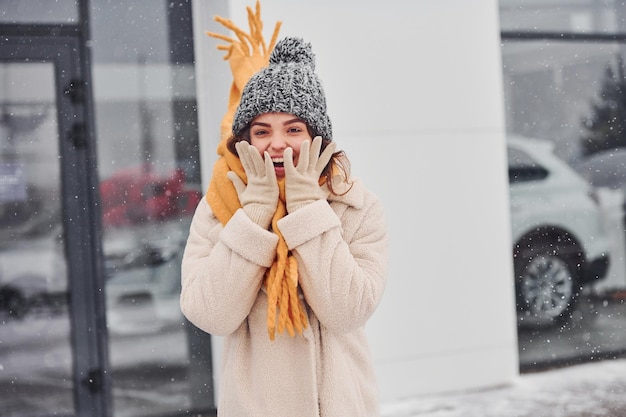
150 185
583 16
550 87
35 352
39 11
558 251
147 198
563 93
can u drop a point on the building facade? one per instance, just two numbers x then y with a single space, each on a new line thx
109 123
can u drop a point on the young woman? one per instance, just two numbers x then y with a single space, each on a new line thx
286 255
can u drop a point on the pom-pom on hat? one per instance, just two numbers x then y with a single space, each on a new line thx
287 85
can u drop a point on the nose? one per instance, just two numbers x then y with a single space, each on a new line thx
278 142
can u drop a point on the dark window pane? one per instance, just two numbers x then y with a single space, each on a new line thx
38 11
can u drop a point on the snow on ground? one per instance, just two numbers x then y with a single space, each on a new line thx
596 389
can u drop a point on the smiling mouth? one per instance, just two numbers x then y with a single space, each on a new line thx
278 162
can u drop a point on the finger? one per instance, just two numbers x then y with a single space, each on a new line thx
325 157
288 161
241 146
243 149
303 158
257 161
237 182
315 152
269 167
253 160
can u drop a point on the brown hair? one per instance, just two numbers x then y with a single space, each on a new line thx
339 163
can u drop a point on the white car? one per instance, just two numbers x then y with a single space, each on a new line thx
559 242
142 269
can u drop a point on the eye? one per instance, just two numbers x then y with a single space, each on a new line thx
259 132
296 128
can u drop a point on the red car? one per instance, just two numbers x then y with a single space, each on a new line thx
137 195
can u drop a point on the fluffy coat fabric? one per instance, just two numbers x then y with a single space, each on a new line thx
224 202
341 248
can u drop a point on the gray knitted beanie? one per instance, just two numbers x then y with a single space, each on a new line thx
287 85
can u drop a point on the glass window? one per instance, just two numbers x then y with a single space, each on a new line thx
568 230
35 351
577 16
550 88
39 11
145 115
522 167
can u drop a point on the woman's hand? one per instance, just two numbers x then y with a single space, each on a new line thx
302 181
259 198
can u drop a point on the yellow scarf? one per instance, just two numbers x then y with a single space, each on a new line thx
281 280
246 56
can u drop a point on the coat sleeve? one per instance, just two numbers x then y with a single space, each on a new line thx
222 269
342 279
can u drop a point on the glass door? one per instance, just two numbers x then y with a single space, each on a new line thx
144 88
50 362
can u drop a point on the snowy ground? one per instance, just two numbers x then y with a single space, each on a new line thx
595 389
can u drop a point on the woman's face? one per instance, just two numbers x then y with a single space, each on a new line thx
275 132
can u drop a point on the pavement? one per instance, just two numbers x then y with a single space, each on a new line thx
594 389
596 329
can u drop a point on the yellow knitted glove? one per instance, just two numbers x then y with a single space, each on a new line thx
259 198
302 181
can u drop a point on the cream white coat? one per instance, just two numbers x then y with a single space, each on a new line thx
341 249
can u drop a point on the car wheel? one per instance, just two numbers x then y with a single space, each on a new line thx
547 287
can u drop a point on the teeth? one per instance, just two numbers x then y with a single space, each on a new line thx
278 160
